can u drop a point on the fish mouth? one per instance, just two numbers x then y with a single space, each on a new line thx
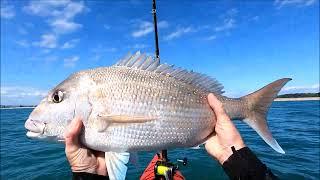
35 128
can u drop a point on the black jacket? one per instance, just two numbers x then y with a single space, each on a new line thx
244 164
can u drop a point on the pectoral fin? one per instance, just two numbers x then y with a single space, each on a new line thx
125 118
103 121
116 165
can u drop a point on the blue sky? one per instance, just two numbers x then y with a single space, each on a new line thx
243 44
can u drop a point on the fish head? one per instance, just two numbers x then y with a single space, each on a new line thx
51 117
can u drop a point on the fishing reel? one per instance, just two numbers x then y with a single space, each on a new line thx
164 169
167 169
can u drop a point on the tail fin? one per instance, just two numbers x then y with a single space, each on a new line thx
258 106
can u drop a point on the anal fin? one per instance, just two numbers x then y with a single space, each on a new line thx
116 165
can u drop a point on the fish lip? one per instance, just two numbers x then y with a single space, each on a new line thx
35 128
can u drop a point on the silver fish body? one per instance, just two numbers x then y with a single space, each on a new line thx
182 116
139 104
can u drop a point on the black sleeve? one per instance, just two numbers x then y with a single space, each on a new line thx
87 176
243 164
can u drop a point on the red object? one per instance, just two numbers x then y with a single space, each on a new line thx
148 173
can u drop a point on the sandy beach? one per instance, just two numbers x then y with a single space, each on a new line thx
299 99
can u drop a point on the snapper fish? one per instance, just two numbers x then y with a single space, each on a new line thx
139 104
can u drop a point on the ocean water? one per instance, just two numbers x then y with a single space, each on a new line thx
295 125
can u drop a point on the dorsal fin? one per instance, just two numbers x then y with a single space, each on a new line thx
147 63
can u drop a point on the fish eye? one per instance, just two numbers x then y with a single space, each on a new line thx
57 96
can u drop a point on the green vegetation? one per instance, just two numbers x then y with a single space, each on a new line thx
299 95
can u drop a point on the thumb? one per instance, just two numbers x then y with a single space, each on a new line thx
217 107
72 134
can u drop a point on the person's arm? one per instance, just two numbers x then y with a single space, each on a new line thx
85 163
227 146
244 164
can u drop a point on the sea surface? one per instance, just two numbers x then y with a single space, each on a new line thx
295 125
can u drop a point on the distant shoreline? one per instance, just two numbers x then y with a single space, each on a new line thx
299 99
277 99
24 107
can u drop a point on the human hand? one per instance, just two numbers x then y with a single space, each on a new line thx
226 135
82 159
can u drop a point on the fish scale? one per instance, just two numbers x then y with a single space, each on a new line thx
137 87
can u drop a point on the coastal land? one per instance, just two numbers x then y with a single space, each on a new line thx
284 97
299 99
16 107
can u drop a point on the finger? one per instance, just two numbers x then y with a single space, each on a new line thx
99 154
211 144
101 168
217 107
72 133
212 140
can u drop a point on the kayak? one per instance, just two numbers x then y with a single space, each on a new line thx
149 173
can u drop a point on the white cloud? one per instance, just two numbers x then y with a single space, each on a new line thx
7 11
210 38
29 25
62 26
96 57
301 89
112 49
45 51
229 21
22 31
70 44
106 26
232 12
146 27
227 24
310 2
300 3
100 51
71 61
140 46
23 43
62 9
73 8
17 91
47 41
59 15
49 59
43 57
21 95
179 32
255 18
285 90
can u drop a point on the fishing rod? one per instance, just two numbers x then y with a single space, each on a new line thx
163 154
155 24
163 166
